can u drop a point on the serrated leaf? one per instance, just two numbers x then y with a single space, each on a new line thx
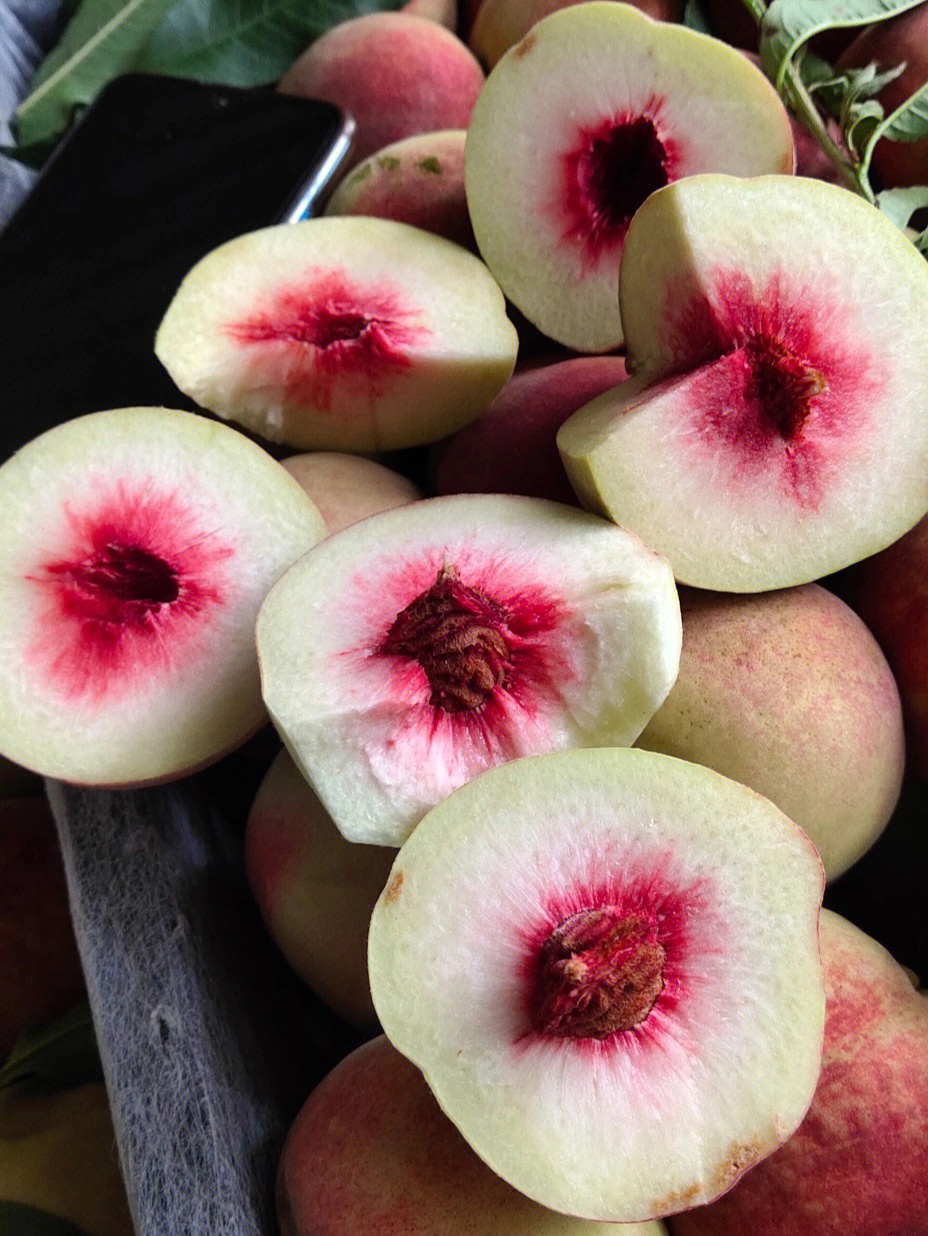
860 123
788 24
99 42
901 204
243 42
62 1052
19 1220
909 122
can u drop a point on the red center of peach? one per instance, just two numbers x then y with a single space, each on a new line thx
120 583
456 633
608 172
310 338
782 383
599 971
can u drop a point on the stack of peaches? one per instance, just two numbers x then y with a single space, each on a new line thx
572 731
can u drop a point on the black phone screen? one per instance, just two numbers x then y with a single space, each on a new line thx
157 172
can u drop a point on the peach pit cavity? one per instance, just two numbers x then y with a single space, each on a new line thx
458 635
600 971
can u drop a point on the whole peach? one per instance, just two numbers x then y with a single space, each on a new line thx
371 1151
58 1156
856 1164
346 488
395 73
417 180
789 693
499 24
512 447
898 40
890 592
40 970
315 890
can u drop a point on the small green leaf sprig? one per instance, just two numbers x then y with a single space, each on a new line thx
817 93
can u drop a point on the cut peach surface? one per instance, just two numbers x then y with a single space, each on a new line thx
605 962
594 109
346 333
775 429
417 648
138 544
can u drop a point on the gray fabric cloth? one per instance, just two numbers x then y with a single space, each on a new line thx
27 30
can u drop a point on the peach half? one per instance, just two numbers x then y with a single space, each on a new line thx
346 333
605 963
138 544
595 108
411 651
775 428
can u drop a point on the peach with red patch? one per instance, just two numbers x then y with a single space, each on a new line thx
856 1163
315 890
605 963
340 332
140 543
432 641
395 73
512 447
131 595
770 434
609 107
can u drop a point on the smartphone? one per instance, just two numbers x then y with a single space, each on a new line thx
155 173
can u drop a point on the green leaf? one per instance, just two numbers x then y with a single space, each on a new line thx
243 42
909 123
19 1220
788 24
902 204
61 1053
99 42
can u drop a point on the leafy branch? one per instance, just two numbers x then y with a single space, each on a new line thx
829 102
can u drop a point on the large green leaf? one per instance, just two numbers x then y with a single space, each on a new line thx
242 42
99 42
